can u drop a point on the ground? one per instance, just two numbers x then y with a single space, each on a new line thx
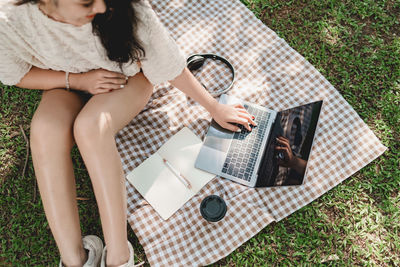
356 46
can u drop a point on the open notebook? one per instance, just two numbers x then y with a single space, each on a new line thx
159 185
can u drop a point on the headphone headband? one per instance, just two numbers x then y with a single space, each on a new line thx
195 61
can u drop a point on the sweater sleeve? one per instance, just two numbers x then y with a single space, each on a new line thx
12 67
164 61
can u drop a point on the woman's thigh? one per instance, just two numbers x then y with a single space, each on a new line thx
54 118
112 111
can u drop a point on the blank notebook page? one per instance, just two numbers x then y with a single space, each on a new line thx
159 185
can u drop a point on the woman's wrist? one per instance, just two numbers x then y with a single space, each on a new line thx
74 81
299 165
212 105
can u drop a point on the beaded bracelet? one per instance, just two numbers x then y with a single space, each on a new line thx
67 80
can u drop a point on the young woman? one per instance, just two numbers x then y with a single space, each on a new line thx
96 63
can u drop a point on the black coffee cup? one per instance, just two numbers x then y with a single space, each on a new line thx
213 208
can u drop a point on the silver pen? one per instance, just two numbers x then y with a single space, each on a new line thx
177 174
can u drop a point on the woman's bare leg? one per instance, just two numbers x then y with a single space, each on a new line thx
94 130
51 141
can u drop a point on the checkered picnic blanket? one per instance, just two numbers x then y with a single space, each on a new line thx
270 73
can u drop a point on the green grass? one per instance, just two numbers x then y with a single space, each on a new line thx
356 46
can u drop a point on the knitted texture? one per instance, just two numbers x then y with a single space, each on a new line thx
30 38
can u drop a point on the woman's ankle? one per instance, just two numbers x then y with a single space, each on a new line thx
115 260
83 259
84 255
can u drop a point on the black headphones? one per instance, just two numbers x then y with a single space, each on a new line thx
195 61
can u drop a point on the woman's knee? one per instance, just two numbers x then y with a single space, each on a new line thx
102 117
90 127
51 125
47 133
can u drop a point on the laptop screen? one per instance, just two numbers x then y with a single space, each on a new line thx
290 146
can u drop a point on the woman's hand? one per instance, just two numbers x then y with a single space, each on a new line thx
284 147
98 81
225 115
290 160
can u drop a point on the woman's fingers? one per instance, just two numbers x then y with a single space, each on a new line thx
246 123
229 115
108 87
243 113
110 77
285 151
112 86
241 121
283 138
248 117
231 127
113 74
283 141
238 105
246 120
115 81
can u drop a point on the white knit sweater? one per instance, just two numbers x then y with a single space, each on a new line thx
29 38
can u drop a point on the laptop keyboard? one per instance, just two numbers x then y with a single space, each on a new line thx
245 146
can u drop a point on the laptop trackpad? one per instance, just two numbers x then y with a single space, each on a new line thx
217 143
210 160
218 138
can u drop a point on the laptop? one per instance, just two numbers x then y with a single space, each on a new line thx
274 153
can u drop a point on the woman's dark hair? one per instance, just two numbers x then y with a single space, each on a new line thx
116 29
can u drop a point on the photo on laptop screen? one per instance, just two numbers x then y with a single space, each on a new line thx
275 153
293 146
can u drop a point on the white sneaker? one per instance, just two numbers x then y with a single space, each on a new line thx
130 263
95 247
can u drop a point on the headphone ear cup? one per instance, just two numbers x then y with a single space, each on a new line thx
195 62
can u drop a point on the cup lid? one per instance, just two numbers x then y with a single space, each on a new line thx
213 208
